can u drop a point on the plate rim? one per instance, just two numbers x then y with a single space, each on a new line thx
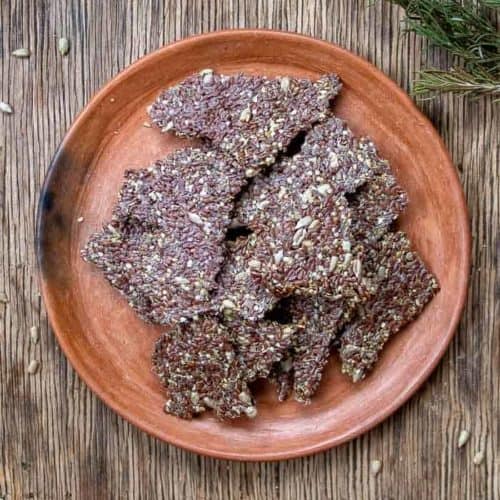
327 442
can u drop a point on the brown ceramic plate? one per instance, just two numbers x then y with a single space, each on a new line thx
111 348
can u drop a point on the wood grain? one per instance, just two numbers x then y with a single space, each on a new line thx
58 441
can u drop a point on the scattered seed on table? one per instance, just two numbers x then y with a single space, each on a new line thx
21 53
375 467
34 334
478 458
6 108
146 124
80 219
463 438
33 366
63 46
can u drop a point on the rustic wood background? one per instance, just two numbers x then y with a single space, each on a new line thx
57 440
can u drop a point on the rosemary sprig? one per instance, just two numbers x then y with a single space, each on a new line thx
466 31
456 80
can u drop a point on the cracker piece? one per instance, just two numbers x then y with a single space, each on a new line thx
261 344
252 118
164 245
332 161
321 321
237 293
306 248
198 366
405 287
377 204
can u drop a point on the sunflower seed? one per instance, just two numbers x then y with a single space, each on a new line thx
478 458
314 224
206 71
347 259
6 108
334 160
375 466
463 438
208 78
21 53
324 189
356 266
208 402
298 237
278 256
195 219
80 219
169 126
382 272
285 83
33 366
228 304
304 222
181 280
346 246
245 115
357 375
251 412
63 46
245 398
333 263
34 334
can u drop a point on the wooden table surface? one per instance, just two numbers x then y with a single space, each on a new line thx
57 440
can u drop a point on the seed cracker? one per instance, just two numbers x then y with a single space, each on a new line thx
261 344
405 287
198 182
332 161
377 204
323 320
253 118
237 293
305 247
302 370
164 245
198 366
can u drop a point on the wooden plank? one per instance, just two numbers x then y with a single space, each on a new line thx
58 441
